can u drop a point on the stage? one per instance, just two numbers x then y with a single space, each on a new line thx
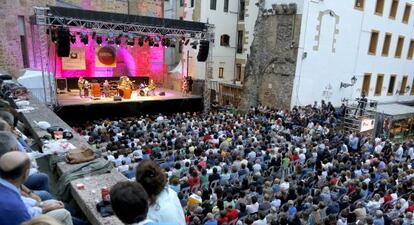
72 108
72 98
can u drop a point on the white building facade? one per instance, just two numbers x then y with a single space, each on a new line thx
370 40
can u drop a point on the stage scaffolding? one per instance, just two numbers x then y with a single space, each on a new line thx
104 22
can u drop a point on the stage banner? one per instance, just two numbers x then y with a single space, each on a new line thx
75 61
105 56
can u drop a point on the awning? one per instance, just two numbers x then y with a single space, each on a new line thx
396 110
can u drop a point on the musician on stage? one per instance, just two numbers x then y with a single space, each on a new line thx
86 88
106 89
185 86
124 82
151 86
81 85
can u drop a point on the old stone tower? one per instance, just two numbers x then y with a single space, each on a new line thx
271 65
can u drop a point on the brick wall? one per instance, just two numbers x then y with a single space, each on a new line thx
11 61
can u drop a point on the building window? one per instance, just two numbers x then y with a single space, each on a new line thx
379 7
378 85
225 40
226 5
412 88
365 84
240 41
221 72
407 13
373 43
241 10
213 4
192 3
23 43
359 4
411 50
391 85
386 45
393 10
238 71
399 48
403 85
181 3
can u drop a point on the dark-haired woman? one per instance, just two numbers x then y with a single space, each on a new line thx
164 205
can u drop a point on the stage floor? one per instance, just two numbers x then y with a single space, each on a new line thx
72 98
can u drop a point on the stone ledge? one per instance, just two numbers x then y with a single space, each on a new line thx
88 197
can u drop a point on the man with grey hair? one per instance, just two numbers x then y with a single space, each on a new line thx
14 168
8 117
4 126
36 181
8 142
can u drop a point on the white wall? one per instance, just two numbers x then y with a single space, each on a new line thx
252 10
225 23
318 76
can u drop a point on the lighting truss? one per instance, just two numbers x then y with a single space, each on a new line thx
46 19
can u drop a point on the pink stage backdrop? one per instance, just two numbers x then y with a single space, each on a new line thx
135 61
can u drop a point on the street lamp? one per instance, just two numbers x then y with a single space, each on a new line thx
345 85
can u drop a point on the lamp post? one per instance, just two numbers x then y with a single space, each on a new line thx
345 85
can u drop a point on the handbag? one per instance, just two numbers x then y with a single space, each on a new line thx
80 155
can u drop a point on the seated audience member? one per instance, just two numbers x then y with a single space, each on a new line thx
12 208
37 180
130 203
42 220
14 169
164 205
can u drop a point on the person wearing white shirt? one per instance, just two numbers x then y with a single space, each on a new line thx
164 205
410 153
253 207
399 154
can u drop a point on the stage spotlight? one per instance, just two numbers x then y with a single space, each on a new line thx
110 34
99 40
118 41
141 42
165 42
156 44
131 42
151 43
73 38
84 38
194 44
157 38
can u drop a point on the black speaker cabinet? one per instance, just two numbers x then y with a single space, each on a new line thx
62 85
63 42
203 51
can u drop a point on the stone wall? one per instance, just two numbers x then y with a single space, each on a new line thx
271 65
11 61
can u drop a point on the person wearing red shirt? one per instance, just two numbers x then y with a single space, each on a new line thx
232 214
223 218
387 197
194 179
410 208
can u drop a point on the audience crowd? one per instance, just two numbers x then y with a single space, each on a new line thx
263 167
